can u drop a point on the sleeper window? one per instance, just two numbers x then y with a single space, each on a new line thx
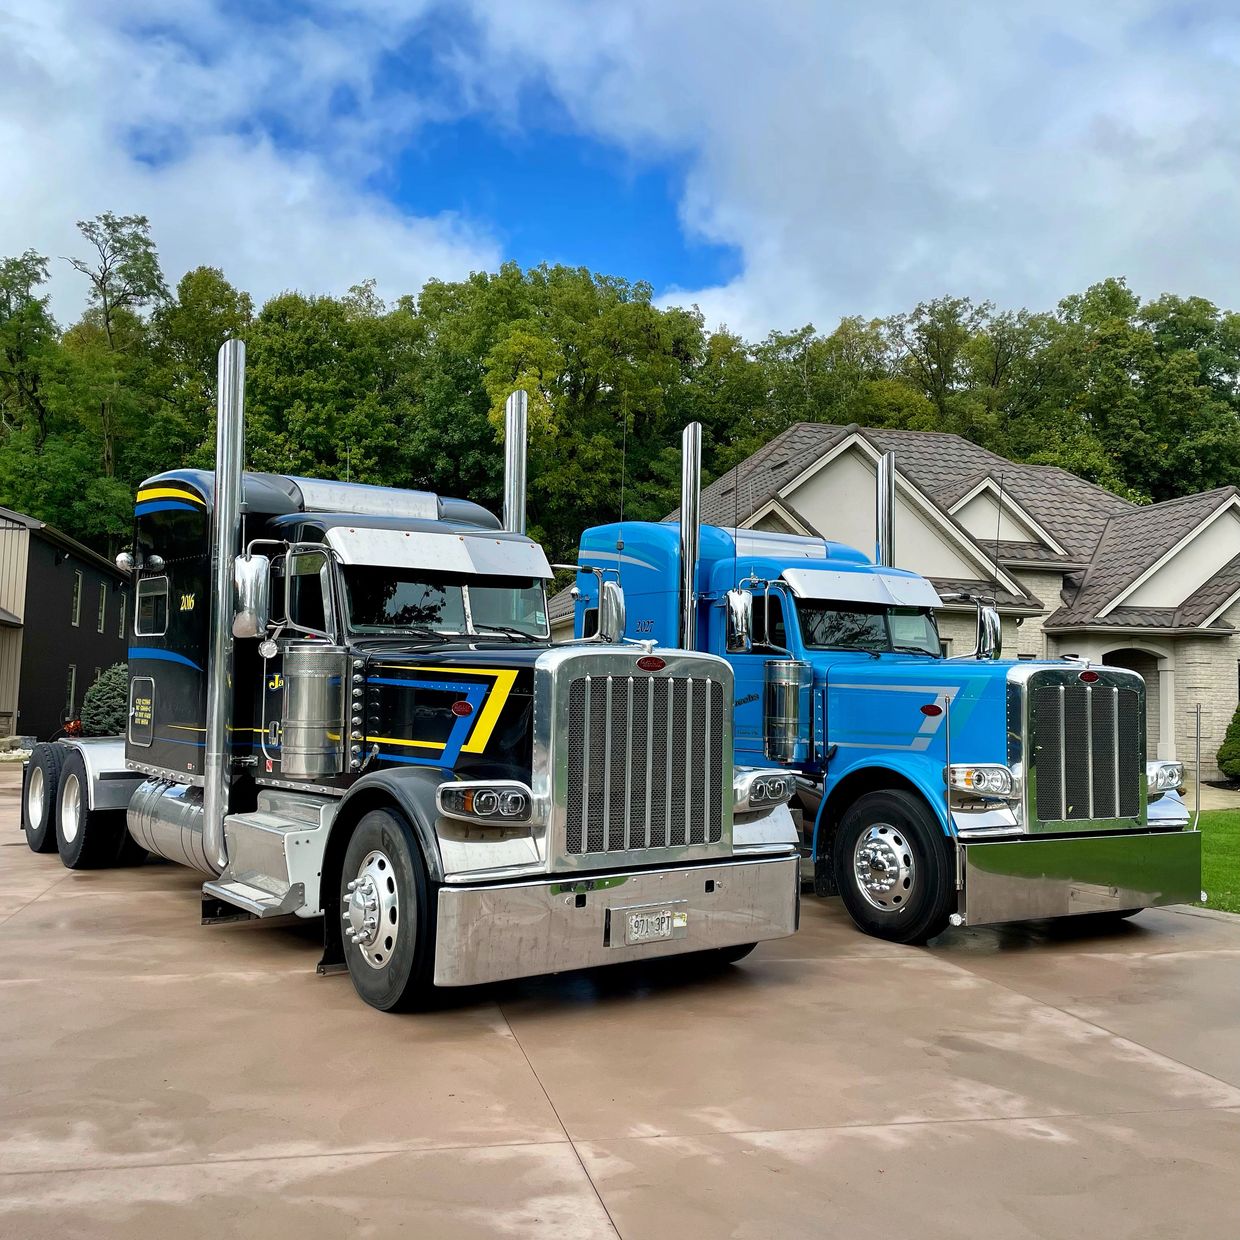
151 614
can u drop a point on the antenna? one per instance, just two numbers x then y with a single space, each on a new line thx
998 529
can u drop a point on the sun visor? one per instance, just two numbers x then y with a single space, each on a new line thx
477 554
886 588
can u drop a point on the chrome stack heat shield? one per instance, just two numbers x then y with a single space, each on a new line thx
690 530
225 536
885 511
515 410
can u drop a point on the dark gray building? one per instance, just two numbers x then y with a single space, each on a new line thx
63 615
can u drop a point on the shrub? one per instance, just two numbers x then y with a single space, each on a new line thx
106 702
1229 751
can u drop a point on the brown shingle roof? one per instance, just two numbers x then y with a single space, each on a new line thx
946 467
1131 542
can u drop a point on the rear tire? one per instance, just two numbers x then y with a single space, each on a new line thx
893 866
39 797
85 838
389 909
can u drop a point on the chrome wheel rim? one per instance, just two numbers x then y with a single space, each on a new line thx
884 867
70 808
35 790
372 909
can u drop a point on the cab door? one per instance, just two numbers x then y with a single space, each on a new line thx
750 672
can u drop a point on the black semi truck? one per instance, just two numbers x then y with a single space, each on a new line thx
344 703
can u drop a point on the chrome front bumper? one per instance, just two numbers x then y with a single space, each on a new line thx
486 934
1060 876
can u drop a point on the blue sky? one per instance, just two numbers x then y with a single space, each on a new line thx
550 195
775 162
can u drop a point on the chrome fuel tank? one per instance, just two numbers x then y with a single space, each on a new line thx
167 819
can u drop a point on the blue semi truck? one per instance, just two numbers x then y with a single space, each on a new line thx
934 790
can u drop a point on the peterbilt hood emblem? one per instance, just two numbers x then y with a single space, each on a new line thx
651 663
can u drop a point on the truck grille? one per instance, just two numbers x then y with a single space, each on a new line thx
1086 759
645 763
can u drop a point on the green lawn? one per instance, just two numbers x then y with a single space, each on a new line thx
1220 858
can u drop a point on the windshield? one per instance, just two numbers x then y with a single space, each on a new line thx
829 625
385 600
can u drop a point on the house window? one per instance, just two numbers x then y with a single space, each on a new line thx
103 604
151 612
120 628
71 689
77 598
945 647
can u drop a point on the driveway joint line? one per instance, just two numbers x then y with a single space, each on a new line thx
563 1127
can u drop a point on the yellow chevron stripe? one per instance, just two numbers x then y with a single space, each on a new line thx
480 734
169 493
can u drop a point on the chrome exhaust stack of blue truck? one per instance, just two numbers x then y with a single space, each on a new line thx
934 790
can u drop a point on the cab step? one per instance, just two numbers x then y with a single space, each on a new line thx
275 857
257 901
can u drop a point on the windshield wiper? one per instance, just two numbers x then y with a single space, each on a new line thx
506 630
930 654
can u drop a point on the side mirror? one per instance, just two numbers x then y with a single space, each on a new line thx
252 577
740 621
989 633
611 612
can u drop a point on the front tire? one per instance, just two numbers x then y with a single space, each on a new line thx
387 914
85 838
39 797
893 866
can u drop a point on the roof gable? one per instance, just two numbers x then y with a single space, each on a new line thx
927 539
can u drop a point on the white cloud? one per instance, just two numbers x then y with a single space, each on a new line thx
858 157
83 86
864 157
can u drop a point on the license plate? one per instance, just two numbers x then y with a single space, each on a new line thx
650 925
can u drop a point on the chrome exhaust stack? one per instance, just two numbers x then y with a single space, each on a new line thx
690 530
885 511
225 539
515 432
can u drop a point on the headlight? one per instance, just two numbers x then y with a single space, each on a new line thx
760 789
498 802
981 780
1163 776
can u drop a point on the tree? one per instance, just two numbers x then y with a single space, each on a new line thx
27 342
105 706
1229 751
124 270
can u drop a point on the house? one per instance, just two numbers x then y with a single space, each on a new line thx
63 611
1073 568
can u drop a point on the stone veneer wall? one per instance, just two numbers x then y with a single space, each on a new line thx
1206 671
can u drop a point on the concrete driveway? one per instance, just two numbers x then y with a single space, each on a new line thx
161 1079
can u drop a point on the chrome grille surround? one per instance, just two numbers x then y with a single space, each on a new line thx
630 766
1078 747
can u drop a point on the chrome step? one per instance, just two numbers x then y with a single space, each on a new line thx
256 900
